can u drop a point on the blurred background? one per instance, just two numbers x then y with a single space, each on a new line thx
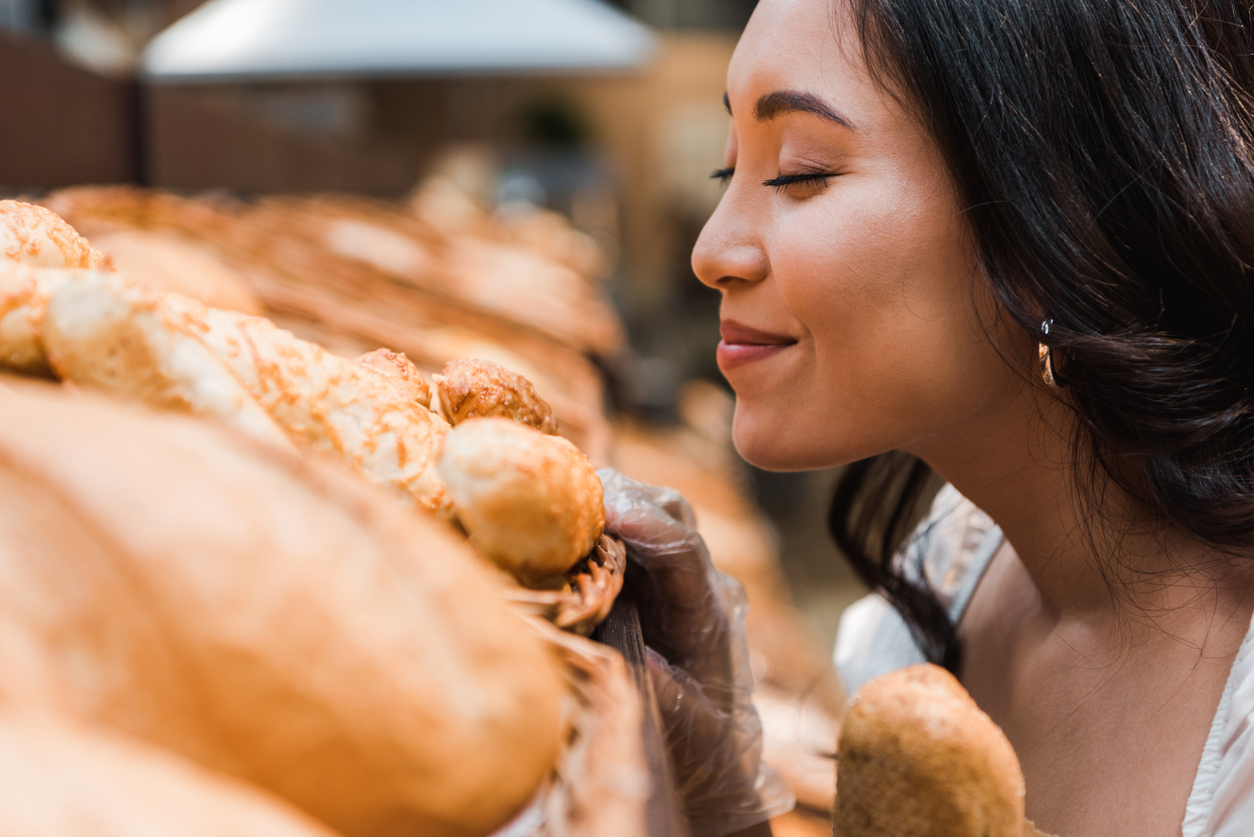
486 119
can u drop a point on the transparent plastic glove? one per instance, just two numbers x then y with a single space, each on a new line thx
692 618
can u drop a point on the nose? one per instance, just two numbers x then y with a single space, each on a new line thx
729 250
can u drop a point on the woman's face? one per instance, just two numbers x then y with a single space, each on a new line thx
849 281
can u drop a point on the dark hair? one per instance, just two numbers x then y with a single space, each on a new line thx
1102 152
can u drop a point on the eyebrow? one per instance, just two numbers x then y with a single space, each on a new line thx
780 102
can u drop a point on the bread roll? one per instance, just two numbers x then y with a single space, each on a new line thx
483 389
532 503
268 617
60 781
35 236
917 758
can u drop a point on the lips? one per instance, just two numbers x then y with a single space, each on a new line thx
743 344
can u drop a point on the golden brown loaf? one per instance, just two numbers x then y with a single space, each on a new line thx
56 778
532 503
483 389
917 758
36 236
265 616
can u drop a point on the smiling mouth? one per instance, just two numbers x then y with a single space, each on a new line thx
743 344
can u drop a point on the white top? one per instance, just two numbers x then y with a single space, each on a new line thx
952 547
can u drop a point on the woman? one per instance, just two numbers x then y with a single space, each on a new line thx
1012 240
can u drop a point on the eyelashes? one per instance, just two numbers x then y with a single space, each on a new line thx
816 180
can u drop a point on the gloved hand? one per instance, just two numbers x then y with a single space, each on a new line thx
692 617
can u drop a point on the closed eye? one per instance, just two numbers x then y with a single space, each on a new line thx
785 180
723 174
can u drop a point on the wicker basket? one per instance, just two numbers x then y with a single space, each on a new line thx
589 593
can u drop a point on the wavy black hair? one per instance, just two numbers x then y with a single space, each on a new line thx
1104 153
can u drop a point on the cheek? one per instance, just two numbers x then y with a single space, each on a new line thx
895 349
872 259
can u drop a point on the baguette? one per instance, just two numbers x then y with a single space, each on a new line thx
264 615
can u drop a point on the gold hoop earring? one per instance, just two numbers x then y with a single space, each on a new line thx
1045 355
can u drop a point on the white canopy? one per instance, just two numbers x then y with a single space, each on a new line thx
267 39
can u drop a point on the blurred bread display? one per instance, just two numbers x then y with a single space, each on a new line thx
351 274
55 778
171 262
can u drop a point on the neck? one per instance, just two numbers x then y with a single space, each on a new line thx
1014 461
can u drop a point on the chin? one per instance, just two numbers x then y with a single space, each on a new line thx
765 442
783 440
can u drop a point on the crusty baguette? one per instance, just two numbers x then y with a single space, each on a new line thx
917 758
59 780
530 502
264 615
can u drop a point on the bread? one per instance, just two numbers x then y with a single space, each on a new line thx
24 295
266 616
171 352
483 389
102 331
917 758
401 370
530 502
326 403
35 236
170 262
57 780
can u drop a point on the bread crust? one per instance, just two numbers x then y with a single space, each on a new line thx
328 403
36 236
102 331
917 758
56 777
401 371
171 352
474 388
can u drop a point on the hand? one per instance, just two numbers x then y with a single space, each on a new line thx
692 618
